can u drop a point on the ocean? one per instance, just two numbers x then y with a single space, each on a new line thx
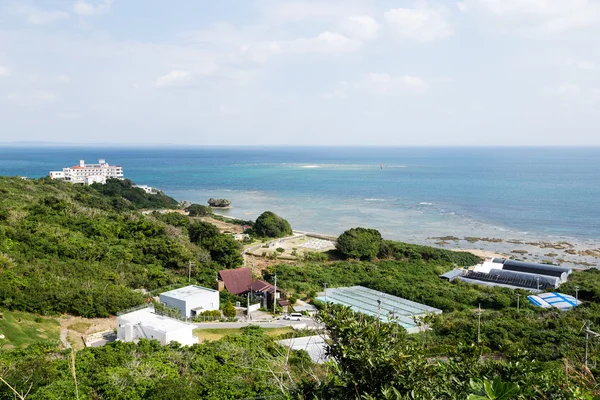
410 194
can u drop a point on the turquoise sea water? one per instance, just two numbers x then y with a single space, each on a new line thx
406 193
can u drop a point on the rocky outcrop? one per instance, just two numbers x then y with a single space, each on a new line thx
219 202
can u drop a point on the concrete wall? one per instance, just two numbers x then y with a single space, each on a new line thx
208 300
183 336
174 303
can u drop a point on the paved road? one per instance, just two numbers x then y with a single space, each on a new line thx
308 323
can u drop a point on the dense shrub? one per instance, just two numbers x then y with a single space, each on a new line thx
269 224
198 210
361 243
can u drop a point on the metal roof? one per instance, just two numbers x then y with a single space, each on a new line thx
450 275
187 292
535 268
554 299
366 301
237 281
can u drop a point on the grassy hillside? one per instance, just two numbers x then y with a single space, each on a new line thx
85 249
21 329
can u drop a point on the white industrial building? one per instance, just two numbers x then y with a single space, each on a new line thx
89 173
146 324
191 300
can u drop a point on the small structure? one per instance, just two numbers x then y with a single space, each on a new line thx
561 301
452 275
191 300
146 188
145 324
267 292
381 305
236 281
307 308
88 173
313 345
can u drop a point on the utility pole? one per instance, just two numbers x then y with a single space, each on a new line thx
577 293
275 295
588 332
190 265
479 324
518 298
325 289
538 282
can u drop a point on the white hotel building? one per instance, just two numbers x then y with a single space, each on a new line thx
89 173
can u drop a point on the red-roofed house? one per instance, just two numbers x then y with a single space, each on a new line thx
237 281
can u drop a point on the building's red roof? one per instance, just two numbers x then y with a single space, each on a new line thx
263 287
237 281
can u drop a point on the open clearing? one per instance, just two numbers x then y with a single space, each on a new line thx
205 335
20 329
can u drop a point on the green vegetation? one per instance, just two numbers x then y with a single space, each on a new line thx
84 249
229 310
21 329
122 194
198 210
270 225
360 243
216 334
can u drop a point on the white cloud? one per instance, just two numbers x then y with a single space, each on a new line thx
4 71
341 92
581 64
326 42
260 52
63 78
538 16
82 7
173 78
423 22
32 99
281 12
569 89
362 27
381 83
37 16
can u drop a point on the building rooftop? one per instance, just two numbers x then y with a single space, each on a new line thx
314 346
236 280
187 292
366 301
147 318
554 299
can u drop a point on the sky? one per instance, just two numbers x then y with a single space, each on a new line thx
301 72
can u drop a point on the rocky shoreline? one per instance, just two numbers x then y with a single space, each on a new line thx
577 255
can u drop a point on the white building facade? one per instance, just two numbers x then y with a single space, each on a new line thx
145 324
89 173
191 300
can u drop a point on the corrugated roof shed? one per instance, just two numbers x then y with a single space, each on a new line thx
535 268
237 281
451 275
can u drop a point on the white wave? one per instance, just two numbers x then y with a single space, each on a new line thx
311 166
375 200
425 203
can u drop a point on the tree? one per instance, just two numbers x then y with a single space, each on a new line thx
229 310
201 231
269 224
361 243
198 210
225 250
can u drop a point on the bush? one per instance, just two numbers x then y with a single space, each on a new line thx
198 210
229 310
268 224
280 250
361 243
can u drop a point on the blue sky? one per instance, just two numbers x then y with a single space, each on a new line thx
301 72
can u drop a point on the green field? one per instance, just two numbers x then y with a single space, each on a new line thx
205 335
21 329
